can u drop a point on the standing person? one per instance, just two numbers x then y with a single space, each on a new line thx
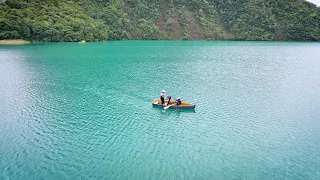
162 96
169 98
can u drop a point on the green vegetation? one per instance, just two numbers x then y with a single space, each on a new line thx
100 20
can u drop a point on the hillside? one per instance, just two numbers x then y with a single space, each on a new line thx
100 20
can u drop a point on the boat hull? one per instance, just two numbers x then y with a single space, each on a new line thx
184 105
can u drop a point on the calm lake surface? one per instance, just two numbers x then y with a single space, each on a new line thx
83 111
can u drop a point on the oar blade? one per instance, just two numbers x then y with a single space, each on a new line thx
167 107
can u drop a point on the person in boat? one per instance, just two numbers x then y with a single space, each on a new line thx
169 98
178 102
162 96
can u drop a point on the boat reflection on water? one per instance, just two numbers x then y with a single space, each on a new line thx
174 111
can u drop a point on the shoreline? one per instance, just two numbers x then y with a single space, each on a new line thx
23 42
14 42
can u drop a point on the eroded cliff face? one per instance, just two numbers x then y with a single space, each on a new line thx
179 20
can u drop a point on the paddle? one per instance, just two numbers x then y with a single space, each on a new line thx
169 98
168 106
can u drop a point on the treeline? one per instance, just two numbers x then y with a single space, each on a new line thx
100 20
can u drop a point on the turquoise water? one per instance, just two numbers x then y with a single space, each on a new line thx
83 111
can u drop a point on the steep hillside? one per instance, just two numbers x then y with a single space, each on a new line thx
99 20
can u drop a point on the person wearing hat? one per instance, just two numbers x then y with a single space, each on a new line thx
178 102
162 96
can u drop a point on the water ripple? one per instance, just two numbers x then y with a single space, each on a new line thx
69 115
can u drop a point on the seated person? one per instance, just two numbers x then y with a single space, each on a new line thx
178 102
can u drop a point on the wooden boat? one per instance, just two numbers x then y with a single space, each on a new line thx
184 105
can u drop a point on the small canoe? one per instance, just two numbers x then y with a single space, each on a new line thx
184 105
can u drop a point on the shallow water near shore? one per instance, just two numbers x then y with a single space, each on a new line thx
83 111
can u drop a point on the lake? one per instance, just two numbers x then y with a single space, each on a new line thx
83 111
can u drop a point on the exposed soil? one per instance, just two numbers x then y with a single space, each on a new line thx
163 19
194 29
13 42
176 30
